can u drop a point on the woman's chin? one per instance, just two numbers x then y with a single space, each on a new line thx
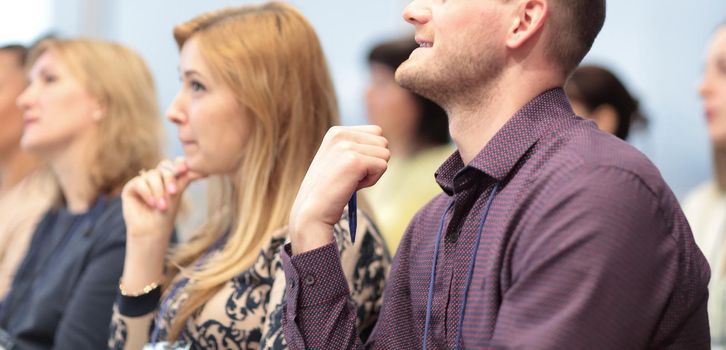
193 163
36 147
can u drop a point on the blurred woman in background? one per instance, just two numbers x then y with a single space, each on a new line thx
418 133
705 207
597 94
27 188
91 111
255 102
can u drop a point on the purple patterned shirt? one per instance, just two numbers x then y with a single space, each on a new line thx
584 247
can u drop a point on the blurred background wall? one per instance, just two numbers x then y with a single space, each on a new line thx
656 47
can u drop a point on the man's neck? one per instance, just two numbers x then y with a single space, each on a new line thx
474 120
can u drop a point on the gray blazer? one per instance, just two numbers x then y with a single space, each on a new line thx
63 292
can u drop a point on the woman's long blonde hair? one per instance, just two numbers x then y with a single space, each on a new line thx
270 56
130 132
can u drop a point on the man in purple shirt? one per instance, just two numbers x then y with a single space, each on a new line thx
549 234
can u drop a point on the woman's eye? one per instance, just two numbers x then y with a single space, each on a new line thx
196 86
48 78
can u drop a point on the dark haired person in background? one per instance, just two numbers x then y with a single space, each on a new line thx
27 188
597 94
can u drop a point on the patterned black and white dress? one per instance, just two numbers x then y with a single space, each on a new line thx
247 312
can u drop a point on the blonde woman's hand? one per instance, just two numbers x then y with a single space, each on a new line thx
349 158
150 204
151 199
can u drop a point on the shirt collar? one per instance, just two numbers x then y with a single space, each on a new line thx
511 142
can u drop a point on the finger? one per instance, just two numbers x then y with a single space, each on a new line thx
166 169
184 180
369 134
368 129
166 164
375 168
369 139
193 175
184 175
180 166
366 150
155 183
138 188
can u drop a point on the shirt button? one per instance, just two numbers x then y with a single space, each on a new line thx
309 280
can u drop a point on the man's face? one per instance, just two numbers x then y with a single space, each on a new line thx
461 46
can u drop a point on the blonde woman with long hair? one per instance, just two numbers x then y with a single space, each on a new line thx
91 111
255 102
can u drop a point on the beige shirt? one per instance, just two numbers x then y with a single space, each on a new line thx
705 209
20 210
406 187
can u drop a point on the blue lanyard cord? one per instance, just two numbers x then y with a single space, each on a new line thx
470 274
429 299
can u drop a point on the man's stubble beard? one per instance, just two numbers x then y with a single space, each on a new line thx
453 84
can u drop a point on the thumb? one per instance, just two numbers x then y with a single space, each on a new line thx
184 174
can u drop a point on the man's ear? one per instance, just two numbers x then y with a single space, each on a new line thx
529 20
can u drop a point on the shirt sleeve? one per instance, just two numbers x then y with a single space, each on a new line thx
600 268
321 314
365 264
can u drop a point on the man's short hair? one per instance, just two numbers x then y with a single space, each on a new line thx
574 26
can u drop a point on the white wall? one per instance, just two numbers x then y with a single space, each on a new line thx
22 22
656 46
